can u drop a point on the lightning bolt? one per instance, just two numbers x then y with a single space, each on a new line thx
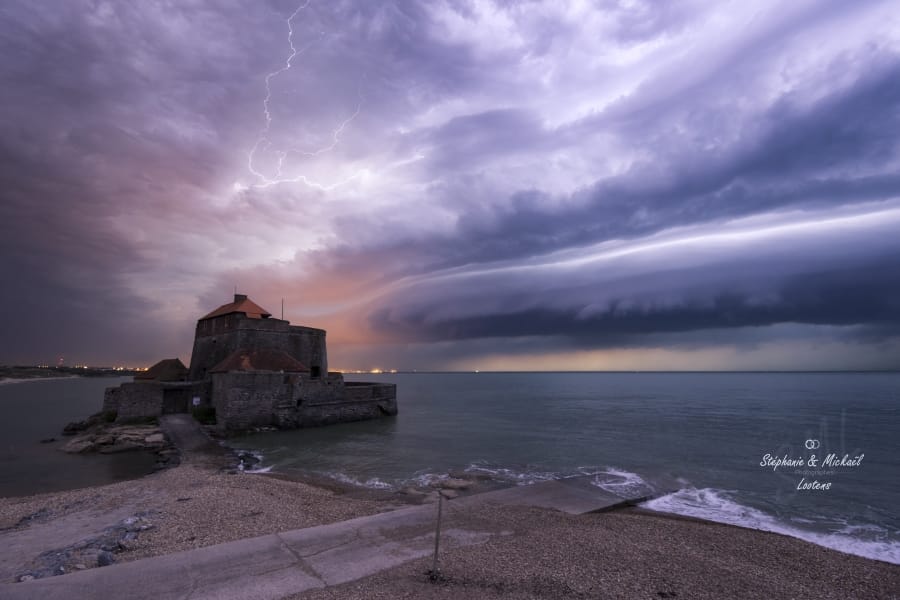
264 143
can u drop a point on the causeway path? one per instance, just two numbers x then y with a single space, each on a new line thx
196 447
278 565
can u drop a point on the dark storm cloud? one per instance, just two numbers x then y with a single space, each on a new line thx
840 298
840 150
465 141
704 281
423 165
109 118
708 153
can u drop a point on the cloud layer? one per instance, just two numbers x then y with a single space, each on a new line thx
454 184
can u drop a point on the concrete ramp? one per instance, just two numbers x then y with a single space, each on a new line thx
574 495
266 567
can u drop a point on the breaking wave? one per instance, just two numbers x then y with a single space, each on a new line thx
869 541
623 484
373 483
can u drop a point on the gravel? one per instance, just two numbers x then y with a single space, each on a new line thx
626 554
189 507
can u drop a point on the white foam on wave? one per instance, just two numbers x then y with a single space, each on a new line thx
511 475
426 479
373 483
715 505
624 484
259 470
612 479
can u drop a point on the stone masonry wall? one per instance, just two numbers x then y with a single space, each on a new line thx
111 398
356 402
134 400
244 400
217 338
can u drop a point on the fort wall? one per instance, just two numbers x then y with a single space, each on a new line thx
150 399
219 337
244 400
134 400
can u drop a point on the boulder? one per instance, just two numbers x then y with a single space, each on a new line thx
105 558
79 444
103 440
155 438
248 460
120 446
75 427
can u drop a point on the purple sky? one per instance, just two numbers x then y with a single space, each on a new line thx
456 185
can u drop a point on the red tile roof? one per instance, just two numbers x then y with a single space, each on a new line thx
265 359
241 304
168 369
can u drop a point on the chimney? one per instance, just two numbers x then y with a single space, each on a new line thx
240 297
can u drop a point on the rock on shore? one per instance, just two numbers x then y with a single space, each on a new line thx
94 551
108 439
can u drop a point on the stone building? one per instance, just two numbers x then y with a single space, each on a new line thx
255 371
163 388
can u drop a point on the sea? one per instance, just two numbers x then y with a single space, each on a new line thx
32 415
811 455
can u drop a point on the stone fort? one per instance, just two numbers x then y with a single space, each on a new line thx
255 371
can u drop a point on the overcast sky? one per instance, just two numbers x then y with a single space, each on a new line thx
456 185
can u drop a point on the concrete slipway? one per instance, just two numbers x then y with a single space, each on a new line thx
277 565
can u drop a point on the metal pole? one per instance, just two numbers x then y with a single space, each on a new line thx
437 537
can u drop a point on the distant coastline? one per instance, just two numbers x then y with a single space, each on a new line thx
21 374
11 380
613 372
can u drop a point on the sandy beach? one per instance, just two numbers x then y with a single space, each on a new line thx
538 553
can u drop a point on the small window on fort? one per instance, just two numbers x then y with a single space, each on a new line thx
315 372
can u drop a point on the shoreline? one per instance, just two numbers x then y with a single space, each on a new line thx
192 505
419 495
208 500
228 461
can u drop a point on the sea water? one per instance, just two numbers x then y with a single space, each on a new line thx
698 441
35 411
